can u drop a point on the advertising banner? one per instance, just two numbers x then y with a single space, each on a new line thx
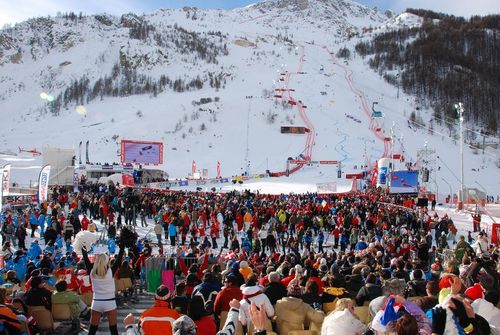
43 184
6 179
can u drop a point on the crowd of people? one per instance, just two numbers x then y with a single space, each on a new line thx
360 263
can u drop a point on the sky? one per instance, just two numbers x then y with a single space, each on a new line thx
12 11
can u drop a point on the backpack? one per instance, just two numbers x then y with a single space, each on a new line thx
394 286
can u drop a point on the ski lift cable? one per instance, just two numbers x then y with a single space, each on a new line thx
417 124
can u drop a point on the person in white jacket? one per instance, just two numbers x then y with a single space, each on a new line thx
253 293
342 320
481 245
490 312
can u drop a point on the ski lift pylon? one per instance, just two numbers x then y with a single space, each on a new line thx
374 112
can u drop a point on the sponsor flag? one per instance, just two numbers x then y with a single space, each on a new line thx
6 179
43 184
80 153
230 255
218 169
76 181
193 167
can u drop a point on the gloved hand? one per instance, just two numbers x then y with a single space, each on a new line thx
460 313
438 320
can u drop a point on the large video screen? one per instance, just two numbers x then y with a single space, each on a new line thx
293 130
404 182
141 152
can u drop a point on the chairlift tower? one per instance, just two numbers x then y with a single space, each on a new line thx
428 167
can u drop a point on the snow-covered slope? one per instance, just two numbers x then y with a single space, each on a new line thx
249 50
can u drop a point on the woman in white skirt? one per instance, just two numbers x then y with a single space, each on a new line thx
103 286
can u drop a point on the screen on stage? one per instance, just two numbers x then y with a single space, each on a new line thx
141 152
404 182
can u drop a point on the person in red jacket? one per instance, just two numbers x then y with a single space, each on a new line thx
85 222
230 291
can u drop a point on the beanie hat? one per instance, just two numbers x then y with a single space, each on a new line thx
37 281
294 290
235 266
443 294
184 326
162 293
445 282
475 292
243 264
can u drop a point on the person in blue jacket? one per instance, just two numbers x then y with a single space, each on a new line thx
33 223
320 239
41 223
34 251
361 245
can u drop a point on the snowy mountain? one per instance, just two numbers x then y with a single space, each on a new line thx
204 83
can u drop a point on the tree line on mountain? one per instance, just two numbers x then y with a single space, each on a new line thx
447 60
125 82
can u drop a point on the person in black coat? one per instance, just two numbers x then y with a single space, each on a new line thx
417 286
38 295
50 235
275 290
369 291
355 281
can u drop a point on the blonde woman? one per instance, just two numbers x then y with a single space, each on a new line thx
103 286
342 320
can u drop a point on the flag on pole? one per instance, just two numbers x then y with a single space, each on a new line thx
6 179
43 184
218 169
230 255
193 167
76 181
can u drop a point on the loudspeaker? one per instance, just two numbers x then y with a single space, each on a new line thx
422 202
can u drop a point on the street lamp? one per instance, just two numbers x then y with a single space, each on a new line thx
460 109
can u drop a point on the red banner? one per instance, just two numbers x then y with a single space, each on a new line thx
218 169
328 162
193 167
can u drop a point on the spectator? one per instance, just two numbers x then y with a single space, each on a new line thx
293 313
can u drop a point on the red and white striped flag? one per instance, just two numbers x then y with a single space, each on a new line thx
193 167
230 255
218 169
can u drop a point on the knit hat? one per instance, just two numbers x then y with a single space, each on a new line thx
445 282
443 294
294 290
235 266
162 293
243 264
184 326
475 292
